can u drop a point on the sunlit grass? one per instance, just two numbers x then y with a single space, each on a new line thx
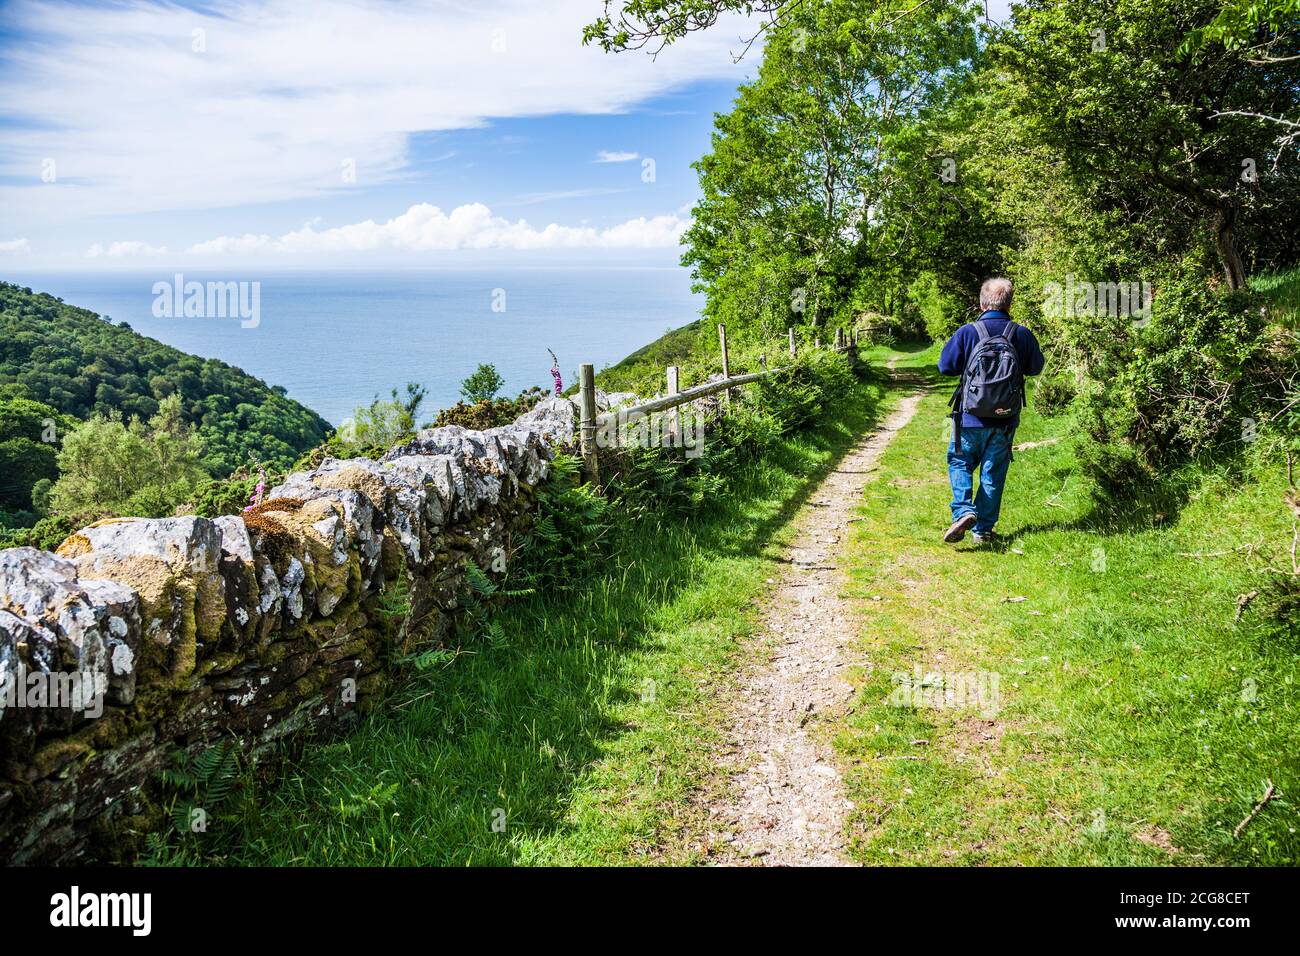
1138 719
583 736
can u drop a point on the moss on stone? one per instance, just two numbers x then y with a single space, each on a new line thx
272 538
274 504
54 756
73 546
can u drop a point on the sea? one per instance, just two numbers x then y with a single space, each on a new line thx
335 340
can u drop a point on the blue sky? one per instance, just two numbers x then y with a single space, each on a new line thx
345 132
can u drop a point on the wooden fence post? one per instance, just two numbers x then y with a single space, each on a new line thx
726 361
792 355
675 416
587 422
817 342
762 360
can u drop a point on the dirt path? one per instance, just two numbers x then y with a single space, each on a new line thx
783 803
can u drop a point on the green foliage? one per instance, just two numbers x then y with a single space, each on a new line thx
657 23
1241 21
200 782
668 482
377 427
46 533
1052 394
376 800
214 497
642 372
111 467
29 435
565 544
1142 137
795 224
940 312
72 360
1178 387
482 385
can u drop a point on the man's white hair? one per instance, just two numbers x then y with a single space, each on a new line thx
995 295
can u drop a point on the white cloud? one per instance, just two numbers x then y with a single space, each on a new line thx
15 247
426 228
615 156
124 250
285 92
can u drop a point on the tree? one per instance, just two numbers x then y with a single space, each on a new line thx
789 226
383 423
635 24
108 467
1144 130
79 363
482 386
1265 31
29 435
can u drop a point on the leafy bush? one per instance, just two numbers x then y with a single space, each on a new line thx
1189 382
29 435
230 496
380 425
46 534
1052 394
565 543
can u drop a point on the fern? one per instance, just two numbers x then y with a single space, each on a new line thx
201 781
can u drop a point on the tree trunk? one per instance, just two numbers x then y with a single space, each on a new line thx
1225 242
1225 208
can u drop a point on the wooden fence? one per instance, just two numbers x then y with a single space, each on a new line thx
590 422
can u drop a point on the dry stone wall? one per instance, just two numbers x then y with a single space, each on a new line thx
141 637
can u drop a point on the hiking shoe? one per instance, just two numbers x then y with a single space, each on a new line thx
957 530
987 537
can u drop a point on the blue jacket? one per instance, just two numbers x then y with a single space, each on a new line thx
952 361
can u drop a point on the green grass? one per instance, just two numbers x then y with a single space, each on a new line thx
1133 710
1283 291
696 350
588 729
643 370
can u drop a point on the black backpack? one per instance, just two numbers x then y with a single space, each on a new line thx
992 385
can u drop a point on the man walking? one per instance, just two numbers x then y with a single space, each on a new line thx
992 355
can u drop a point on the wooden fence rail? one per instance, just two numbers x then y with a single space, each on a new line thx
590 422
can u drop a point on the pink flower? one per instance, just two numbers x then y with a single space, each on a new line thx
256 498
555 374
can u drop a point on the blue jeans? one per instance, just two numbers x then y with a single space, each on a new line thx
986 452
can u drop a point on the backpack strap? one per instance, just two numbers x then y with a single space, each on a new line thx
982 330
1009 331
